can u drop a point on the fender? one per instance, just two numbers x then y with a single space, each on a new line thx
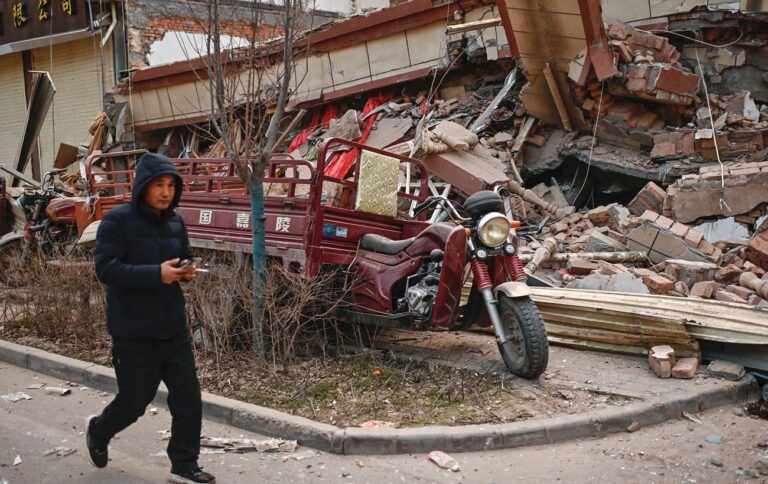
8 239
512 289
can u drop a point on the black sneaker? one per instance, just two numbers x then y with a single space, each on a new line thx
98 454
191 475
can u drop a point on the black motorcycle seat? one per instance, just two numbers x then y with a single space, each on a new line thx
383 245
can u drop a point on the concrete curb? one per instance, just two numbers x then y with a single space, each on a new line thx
352 440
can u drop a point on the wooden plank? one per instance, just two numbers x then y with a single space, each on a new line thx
703 319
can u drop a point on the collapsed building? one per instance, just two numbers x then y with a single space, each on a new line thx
632 138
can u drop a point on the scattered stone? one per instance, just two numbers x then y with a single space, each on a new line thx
566 395
716 462
661 359
714 439
763 444
444 460
739 412
17 460
726 370
633 427
762 467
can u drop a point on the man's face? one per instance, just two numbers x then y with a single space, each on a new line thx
160 192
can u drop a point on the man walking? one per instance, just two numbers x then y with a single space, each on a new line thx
138 251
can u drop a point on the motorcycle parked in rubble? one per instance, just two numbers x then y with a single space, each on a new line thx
50 228
417 283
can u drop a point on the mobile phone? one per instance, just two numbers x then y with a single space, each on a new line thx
193 262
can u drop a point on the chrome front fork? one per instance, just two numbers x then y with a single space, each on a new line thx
492 305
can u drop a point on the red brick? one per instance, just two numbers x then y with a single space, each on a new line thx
729 297
558 228
693 237
742 292
676 80
704 289
581 267
650 216
658 284
661 150
757 250
636 85
728 273
679 229
682 288
599 216
661 359
664 222
685 368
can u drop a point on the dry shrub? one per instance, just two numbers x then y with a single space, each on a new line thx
298 314
61 298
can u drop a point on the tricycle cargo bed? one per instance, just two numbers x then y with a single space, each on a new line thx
310 218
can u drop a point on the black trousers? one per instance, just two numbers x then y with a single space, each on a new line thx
140 365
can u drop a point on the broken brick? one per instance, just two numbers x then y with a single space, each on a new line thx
664 222
663 150
661 359
599 216
581 267
685 368
728 273
729 297
658 284
704 289
742 292
651 197
757 250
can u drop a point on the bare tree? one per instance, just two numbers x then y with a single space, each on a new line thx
257 141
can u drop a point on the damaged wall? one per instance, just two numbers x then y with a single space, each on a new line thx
551 32
638 11
149 21
361 54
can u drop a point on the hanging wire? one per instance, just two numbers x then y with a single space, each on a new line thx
591 147
692 39
714 135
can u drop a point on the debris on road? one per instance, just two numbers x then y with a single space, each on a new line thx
303 455
441 459
58 391
17 460
59 451
15 397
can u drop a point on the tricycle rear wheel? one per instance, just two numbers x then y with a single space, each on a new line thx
526 351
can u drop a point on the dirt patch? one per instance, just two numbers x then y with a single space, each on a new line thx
350 390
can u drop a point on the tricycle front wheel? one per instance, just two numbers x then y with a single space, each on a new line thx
526 351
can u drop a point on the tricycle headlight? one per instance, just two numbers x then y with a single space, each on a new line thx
493 229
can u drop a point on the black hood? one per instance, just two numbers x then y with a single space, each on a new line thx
151 166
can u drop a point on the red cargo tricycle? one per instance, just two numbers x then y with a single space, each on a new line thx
407 272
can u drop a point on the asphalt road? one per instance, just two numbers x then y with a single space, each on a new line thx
674 452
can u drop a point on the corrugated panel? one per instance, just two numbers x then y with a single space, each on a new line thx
76 73
14 109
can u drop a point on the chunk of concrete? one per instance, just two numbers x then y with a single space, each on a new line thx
624 282
661 245
726 370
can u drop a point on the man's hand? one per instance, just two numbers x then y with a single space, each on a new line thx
169 273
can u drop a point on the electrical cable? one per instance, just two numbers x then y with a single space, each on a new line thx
591 146
692 39
714 135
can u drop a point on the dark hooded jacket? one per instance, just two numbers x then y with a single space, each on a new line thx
131 243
